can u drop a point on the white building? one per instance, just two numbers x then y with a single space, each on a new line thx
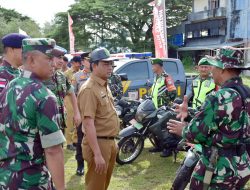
216 23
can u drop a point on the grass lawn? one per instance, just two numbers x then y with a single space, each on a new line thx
149 171
246 81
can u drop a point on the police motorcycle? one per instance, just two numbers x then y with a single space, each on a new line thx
147 121
126 110
184 172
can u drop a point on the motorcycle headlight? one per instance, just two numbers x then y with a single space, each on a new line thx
139 117
118 112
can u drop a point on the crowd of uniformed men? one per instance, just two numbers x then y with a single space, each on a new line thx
42 100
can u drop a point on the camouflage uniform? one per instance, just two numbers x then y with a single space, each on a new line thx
220 123
115 85
29 122
7 73
60 86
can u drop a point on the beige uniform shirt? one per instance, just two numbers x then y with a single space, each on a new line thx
95 100
69 74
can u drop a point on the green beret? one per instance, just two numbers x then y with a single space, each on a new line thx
203 61
157 61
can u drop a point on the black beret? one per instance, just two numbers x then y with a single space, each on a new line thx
13 40
77 59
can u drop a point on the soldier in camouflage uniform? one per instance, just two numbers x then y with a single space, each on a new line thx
12 58
29 125
222 127
61 87
115 85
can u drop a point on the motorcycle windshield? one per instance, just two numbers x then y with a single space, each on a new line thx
144 109
147 105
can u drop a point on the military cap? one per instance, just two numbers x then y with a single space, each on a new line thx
77 59
203 61
59 51
101 54
44 45
85 55
13 40
157 61
228 58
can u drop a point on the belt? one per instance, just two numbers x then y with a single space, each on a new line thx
106 138
235 150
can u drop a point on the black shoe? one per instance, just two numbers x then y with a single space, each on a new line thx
155 149
80 168
71 147
166 153
80 172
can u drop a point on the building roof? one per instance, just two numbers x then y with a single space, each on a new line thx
210 47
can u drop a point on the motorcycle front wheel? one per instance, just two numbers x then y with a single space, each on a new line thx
182 178
130 148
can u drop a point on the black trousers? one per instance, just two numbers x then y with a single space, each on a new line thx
80 135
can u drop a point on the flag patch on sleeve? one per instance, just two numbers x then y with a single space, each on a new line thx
3 83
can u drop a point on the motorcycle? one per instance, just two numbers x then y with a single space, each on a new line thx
126 110
184 172
131 139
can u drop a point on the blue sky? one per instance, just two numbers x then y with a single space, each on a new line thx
39 10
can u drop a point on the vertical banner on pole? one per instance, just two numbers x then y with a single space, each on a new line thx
71 35
160 29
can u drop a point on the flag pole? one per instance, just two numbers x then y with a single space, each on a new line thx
159 28
165 27
71 35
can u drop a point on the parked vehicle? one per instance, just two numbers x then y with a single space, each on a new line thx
184 172
126 110
131 139
141 77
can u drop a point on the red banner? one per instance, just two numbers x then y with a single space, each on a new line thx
159 29
71 35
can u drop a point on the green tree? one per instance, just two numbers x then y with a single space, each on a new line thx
58 29
114 23
9 14
11 21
